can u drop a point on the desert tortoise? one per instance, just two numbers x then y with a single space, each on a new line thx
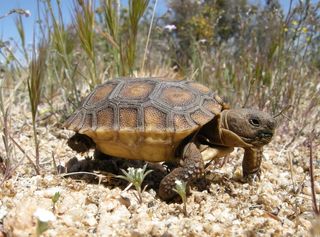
158 119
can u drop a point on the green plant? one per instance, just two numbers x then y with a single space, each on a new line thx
136 11
84 22
37 73
181 189
123 37
62 53
5 162
111 16
135 177
44 217
54 200
20 28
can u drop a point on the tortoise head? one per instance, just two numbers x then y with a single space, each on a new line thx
254 127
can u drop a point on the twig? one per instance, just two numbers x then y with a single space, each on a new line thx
9 171
252 81
292 172
28 157
313 193
128 187
77 173
54 163
282 111
148 37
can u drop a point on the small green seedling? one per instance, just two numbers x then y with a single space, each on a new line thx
135 177
43 218
181 189
41 227
54 200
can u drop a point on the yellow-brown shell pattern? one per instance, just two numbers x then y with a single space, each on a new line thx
146 105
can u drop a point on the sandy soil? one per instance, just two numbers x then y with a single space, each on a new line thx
97 205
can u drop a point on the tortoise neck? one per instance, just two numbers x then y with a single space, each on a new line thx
212 131
224 120
226 136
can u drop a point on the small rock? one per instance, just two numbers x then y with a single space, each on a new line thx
299 170
166 234
266 187
135 233
317 187
209 217
111 205
305 223
48 193
213 228
67 219
284 180
124 201
76 213
307 205
3 212
269 200
315 228
307 191
90 220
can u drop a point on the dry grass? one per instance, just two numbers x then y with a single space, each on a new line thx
36 79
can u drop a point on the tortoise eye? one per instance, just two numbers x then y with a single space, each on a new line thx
255 122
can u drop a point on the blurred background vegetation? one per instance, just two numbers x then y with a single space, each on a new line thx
252 54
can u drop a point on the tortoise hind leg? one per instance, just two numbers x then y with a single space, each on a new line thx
98 155
101 162
80 143
192 167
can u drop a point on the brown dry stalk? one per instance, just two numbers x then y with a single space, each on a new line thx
28 157
313 193
17 11
285 109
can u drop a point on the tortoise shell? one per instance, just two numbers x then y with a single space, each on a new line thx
144 118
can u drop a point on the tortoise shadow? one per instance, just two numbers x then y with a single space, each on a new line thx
90 170
104 170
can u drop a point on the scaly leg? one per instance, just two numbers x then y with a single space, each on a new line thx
251 163
192 167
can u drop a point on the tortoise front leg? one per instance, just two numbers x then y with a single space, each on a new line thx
192 167
251 163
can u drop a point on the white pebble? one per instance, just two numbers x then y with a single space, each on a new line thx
44 215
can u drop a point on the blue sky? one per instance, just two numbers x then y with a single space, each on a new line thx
7 25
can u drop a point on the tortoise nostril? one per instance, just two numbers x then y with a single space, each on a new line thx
272 124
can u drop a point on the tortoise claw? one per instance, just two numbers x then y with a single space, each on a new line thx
191 168
252 178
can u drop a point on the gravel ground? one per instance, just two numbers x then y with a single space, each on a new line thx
278 205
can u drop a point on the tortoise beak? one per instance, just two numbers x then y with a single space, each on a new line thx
265 136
